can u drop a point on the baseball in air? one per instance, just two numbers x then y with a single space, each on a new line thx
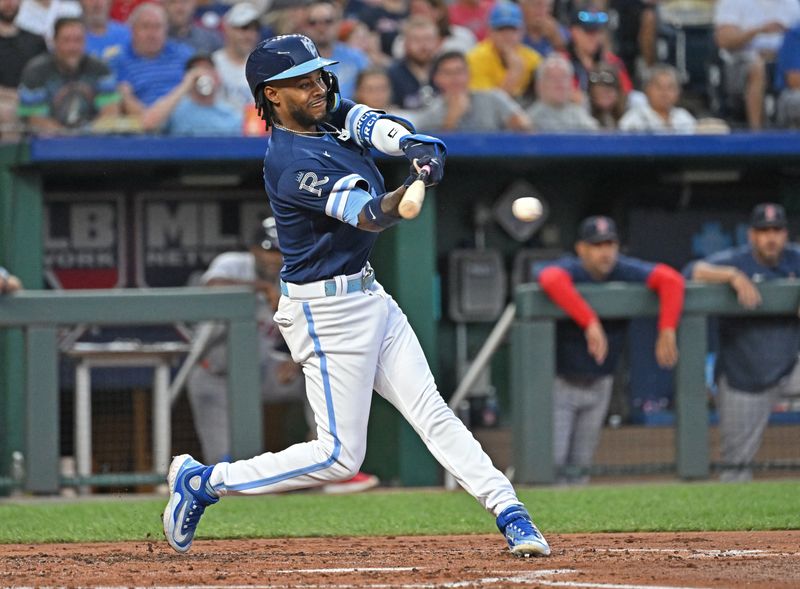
527 208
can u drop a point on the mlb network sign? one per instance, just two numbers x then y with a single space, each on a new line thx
177 236
172 236
84 240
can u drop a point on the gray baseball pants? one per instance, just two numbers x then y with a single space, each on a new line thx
743 417
579 410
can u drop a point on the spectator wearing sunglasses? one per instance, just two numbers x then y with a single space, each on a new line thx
586 49
322 26
607 101
661 113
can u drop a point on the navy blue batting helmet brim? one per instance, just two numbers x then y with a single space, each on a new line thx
302 69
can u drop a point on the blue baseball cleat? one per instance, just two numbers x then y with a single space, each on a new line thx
189 495
524 538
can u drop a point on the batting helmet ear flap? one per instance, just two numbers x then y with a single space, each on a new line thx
334 98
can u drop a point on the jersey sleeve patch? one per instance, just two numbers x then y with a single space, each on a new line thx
336 193
347 197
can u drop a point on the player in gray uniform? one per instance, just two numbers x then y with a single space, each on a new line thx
259 268
757 358
347 332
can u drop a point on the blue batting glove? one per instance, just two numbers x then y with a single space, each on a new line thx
424 150
435 175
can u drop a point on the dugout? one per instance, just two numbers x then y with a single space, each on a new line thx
672 196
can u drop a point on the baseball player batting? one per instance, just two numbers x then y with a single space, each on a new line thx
349 335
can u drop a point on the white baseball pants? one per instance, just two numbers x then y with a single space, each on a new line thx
349 345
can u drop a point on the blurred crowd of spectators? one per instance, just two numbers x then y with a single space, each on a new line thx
177 66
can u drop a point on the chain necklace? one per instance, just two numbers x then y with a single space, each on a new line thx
341 134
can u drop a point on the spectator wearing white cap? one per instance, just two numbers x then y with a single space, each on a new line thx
242 32
502 60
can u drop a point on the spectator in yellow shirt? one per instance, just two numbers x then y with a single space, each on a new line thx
502 60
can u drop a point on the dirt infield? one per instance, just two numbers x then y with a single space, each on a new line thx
622 561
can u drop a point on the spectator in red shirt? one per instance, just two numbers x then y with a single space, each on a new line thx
472 14
122 9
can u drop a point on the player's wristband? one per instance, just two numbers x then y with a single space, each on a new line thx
375 214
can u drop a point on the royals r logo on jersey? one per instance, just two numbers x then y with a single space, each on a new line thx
309 181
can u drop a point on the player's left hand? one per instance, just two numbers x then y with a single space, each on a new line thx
596 341
435 171
666 348
424 150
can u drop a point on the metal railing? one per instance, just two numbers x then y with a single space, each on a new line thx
533 364
40 313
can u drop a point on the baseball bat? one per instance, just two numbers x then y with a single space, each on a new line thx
412 200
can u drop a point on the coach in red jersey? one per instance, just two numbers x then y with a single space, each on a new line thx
587 350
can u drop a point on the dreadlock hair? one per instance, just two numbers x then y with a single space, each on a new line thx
265 108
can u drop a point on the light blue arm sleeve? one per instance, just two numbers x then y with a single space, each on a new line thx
346 199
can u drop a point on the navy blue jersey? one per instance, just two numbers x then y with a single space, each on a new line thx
756 352
572 358
317 185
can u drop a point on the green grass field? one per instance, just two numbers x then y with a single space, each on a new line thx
647 507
